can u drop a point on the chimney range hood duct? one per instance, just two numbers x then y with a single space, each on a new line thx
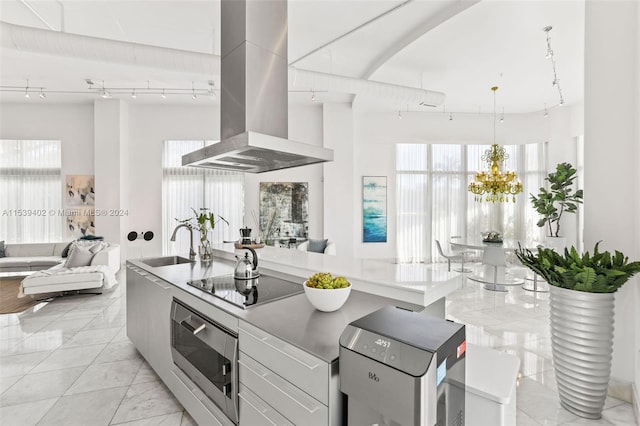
254 94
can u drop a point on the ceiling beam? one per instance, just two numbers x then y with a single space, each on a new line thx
351 31
36 14
415 33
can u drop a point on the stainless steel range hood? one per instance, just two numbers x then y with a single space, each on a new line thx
254 94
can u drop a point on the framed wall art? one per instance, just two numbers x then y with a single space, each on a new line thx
374 209
79 190
284 211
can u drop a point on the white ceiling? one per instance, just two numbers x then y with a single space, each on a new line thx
459 48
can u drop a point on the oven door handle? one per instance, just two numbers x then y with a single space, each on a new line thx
193 326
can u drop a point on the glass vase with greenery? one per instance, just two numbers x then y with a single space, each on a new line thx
204 221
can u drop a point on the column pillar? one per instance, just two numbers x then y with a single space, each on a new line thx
110 147
612 155
340 194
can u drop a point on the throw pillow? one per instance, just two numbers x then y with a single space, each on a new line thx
86 243
2 252
79 256
98 246
65 251
317 246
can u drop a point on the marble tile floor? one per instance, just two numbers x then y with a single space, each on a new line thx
517 322
69 362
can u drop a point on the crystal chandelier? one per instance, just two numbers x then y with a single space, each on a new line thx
495 185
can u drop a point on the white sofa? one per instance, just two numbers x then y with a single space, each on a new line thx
31 257
50 274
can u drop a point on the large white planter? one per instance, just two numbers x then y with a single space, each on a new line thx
558 244
582 344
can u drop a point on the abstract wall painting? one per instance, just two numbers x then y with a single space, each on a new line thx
79 190
80 222
284 211
374 209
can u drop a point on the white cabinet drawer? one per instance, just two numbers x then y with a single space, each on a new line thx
307 372
255 412
287 399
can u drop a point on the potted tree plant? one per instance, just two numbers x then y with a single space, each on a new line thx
559 199
581 316
204 221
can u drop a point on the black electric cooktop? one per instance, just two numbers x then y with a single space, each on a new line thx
266 289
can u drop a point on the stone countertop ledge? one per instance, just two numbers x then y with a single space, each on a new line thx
413 283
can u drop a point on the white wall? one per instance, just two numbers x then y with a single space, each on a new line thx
141 178
149 127
305 126
373 153
637 209
341 195
110 146
611 155
71 124
41 119
377 133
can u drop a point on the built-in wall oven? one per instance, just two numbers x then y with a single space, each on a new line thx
207 352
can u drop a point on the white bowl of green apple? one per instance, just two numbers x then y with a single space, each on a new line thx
325 292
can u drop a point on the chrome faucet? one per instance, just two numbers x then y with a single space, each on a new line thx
192 254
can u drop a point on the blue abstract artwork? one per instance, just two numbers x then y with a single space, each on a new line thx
374 209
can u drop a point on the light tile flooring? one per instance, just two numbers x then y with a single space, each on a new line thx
517 322
69 362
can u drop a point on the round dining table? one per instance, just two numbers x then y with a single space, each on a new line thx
490 275
478 244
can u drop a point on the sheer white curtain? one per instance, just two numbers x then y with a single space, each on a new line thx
184 188
434 204
30 191
413 206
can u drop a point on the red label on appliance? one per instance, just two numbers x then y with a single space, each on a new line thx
461 349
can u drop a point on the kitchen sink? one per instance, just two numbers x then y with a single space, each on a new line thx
165 261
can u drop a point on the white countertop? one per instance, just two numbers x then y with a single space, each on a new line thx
413 283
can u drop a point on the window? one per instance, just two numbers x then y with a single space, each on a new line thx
184 188
30 191
434 204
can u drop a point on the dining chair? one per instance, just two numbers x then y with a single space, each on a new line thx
494 256
456 257
470 255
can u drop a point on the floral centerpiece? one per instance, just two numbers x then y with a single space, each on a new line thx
204 221
492 237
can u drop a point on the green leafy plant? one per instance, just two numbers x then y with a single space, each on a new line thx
203 221
559 199
600 273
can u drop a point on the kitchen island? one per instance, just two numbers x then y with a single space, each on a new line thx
412 283
286 362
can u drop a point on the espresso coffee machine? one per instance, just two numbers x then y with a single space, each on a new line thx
245 235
